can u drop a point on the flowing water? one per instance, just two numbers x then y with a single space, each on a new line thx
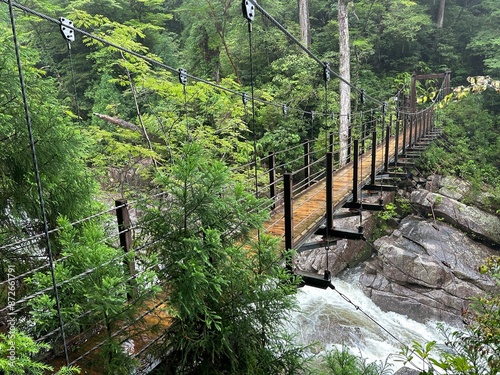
326 318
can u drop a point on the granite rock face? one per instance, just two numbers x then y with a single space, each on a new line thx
427 271
470 219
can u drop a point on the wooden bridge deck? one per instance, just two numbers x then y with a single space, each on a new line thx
309 207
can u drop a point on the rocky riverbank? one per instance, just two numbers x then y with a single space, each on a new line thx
427 268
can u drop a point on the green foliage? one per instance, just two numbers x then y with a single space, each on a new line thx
17 352
469 145
342 362
227 294
93 287
61 148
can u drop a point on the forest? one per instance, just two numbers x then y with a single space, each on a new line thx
165 107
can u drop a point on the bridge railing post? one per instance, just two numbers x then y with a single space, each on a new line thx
349 143
332 141
307 164
411 129
288 197
329 191
428 122
405 125
363 135
374 157
387 140
396 142
355 167
272 178
125 235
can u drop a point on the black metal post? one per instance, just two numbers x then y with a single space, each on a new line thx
272 178
405 124
355 171
396 143
288 211
411 126
387 140
329 191
307 164
332 143
349 141
123 219
374 156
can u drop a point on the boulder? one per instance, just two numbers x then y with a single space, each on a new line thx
471 220
427 271
460 190
407 371
449 186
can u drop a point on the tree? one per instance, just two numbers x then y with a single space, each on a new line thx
16 356
93 291
61 147
486 43
440 17
227 294
305 26
345 79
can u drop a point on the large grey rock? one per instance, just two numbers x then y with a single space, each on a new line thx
407 371
460 190
449 186
470 219
427 271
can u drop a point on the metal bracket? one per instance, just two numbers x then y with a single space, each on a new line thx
183 76
248 10
348 234
67 30
285 110
314 282
326 71
380 187
364 206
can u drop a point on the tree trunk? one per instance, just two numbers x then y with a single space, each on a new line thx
305 26
345 74
440 17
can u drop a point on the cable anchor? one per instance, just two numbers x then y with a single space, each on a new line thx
183 76
326 71
67 30
248 10
327 274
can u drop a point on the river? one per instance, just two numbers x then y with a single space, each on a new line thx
327 318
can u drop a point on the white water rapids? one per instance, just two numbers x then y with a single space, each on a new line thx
329 320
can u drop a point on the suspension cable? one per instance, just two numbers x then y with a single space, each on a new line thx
37 177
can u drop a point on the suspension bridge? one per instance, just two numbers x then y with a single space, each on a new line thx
303 201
